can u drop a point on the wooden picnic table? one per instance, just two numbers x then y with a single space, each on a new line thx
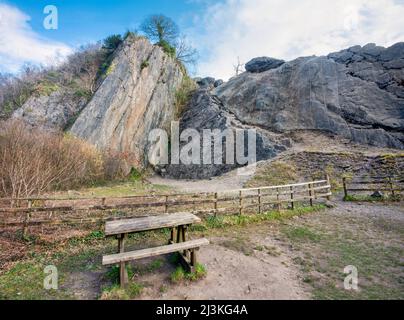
177 222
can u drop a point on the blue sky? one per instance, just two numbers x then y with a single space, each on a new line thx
91 20
223 31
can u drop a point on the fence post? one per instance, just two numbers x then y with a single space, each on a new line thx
311 194
166 205
215 204
345 188
26 220
277 200
259 201
329 184
240 203
292 198
391 187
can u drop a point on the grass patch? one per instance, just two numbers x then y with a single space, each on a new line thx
326 247
144 64
302 233
180 275
117 189
113 273
25 281
274 174
221 222
115 292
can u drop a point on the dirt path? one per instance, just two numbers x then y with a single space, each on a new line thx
226 182
233 275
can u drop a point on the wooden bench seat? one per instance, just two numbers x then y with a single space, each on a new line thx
151 252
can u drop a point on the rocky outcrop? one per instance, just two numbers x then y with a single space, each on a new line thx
262 64
206 111
53 111
137 96
354 93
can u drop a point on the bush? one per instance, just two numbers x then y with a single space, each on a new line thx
112 42
168 49
144 64
183 95
34 161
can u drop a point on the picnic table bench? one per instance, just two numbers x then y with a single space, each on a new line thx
178 223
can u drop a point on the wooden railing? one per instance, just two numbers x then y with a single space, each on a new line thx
392 185
42 211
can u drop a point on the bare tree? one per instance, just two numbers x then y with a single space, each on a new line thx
160 28
238 67
185 52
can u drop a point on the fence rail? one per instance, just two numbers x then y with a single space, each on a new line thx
53 211
391 184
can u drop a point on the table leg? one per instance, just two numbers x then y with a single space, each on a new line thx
179 232
172 236
193 258
123 273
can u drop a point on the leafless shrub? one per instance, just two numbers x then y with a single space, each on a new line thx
33 161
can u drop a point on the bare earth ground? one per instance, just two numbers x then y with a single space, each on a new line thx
300 258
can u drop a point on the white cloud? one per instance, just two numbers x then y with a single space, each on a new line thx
293 28
20 44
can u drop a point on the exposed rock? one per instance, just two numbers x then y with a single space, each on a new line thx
206 111
377 195
262 64
54 111
206 82
132 100
218 83
356 98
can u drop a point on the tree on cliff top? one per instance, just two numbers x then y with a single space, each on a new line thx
161 29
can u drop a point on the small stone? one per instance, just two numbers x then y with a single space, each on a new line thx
377 195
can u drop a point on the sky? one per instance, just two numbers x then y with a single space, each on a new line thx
222 31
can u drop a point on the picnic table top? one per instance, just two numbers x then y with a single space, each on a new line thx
150 223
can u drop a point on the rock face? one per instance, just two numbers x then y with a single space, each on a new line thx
206 111
262 64
356 93
137 96
53 111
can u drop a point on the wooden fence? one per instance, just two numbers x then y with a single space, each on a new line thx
392 185
53 211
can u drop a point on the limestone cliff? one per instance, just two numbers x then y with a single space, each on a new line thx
357 93
137 96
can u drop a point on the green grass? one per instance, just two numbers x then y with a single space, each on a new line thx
221 222
24 281
117 189
132 291
180 275
144 64
274 174
301 234
324 253
114 271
